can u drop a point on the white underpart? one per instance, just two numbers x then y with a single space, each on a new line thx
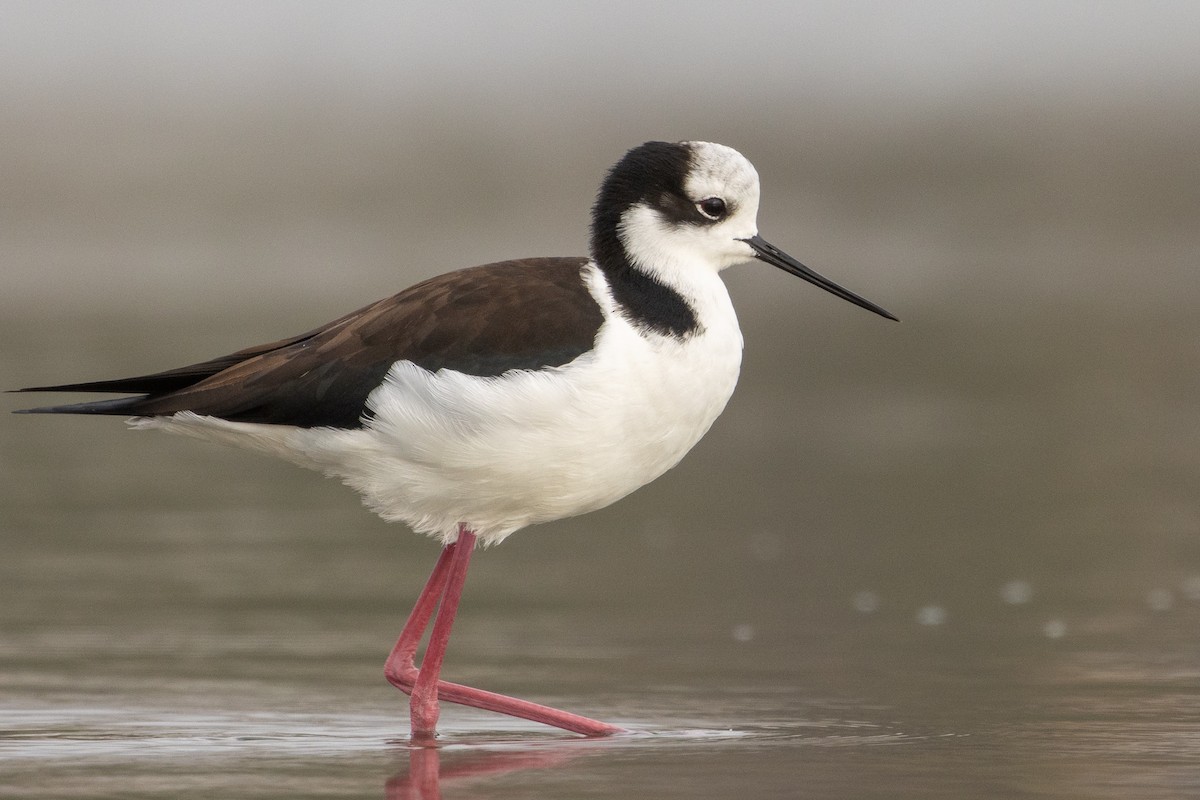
502 453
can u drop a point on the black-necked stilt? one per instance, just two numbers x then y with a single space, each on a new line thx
481 401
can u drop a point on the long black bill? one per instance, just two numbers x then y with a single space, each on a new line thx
765 251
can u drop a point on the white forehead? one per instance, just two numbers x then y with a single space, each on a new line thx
720 171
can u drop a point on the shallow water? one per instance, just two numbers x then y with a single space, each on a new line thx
957 557
880 575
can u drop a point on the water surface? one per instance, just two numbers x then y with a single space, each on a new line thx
881 580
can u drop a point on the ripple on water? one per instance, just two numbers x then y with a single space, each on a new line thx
131 734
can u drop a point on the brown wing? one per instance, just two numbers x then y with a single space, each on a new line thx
526 314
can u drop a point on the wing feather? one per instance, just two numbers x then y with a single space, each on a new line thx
525 314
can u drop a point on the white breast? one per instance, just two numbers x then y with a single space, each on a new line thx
529 446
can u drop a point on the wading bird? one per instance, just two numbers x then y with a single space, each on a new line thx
482 401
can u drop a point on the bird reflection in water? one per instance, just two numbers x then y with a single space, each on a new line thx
426 775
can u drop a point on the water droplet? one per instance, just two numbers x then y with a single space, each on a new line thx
743 632
931 615
866 602
1160 599
1017 593
1054 629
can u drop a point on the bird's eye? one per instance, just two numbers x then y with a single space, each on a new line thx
712 207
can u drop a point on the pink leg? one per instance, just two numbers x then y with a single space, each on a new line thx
402 662
423 684
423 705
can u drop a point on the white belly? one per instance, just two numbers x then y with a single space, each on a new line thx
533 446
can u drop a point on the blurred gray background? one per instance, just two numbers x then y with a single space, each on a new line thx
277 153
980 522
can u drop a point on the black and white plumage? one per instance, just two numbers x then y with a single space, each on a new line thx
485 400
513 393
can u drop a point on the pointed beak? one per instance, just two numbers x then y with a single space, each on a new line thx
765 251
